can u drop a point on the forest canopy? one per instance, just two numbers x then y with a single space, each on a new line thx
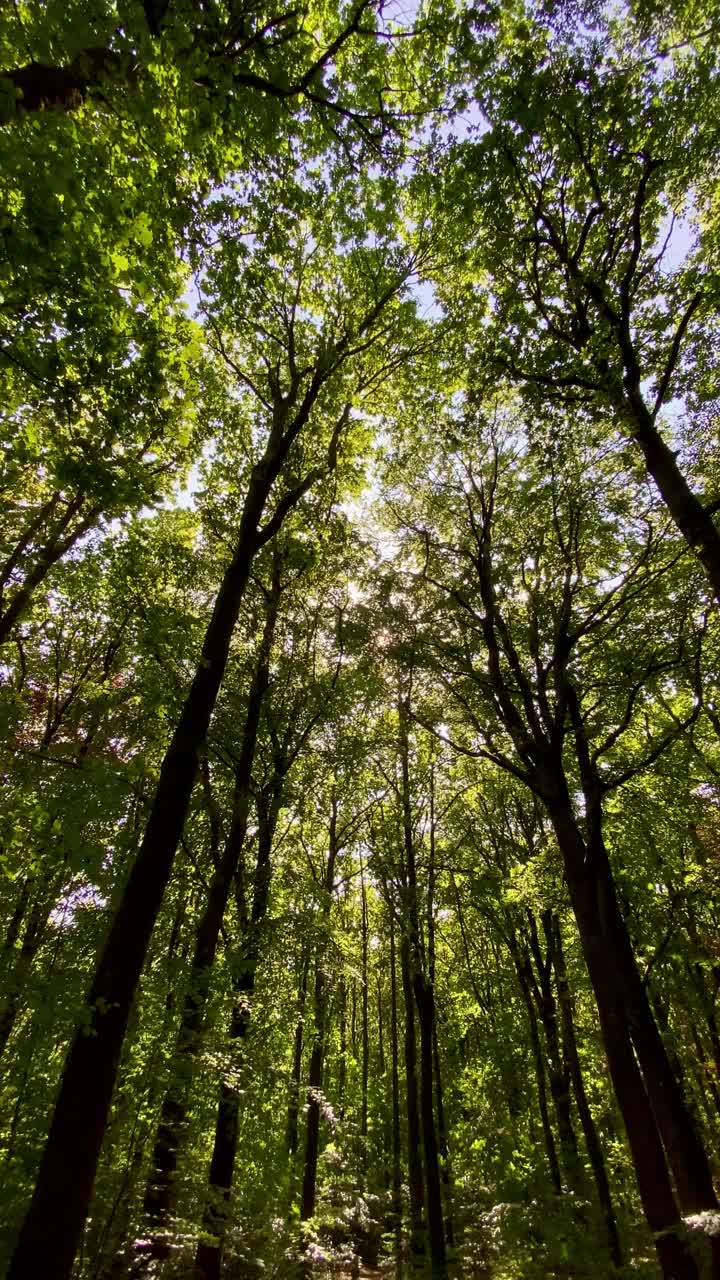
359 639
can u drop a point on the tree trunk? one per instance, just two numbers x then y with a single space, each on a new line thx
694 521
415 1170
58 543
113 1256
686 1155
707 1070
342 1064
592 1141
16 920
558 1073
294 1104
365 1037
208 1258
443 1144
353 1021
35 928
161 1193
685 1152
588 896
386 1118
53 1226
442 1137
317 1056
315 1080
707 1002
422 991
424 999
396 1144
522 968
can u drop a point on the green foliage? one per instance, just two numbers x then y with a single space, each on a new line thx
452 259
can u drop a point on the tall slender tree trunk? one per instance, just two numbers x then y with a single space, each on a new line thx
53 1226
424 999
161 1192
58 542
592 1141
588 896
33 935
694 521
315 1081
591 890
685 1152
114 1241
522 968
708 1070
422 989
415 1169
443 1144
208 1258
365 1035
15 922
317 1055
294 1103
386 1117
342 1063
382 1065
661 1015
442 1135
558 1072
395 1074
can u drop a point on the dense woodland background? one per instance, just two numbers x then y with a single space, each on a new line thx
359 568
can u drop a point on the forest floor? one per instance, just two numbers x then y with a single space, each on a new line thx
366 1273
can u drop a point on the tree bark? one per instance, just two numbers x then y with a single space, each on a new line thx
294 1103
317 1056
208 1258
675 1123
54 549
36 922
443 1144
522 968
592 1141
395 1072
161 1193
558 1073
424 999
589 897
42 85
315 1080
685 1152
694 521
423 993
538 733
53 1226
691 517
415 1169
342 1064
386 1118
15 922
365 1037
707 1071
